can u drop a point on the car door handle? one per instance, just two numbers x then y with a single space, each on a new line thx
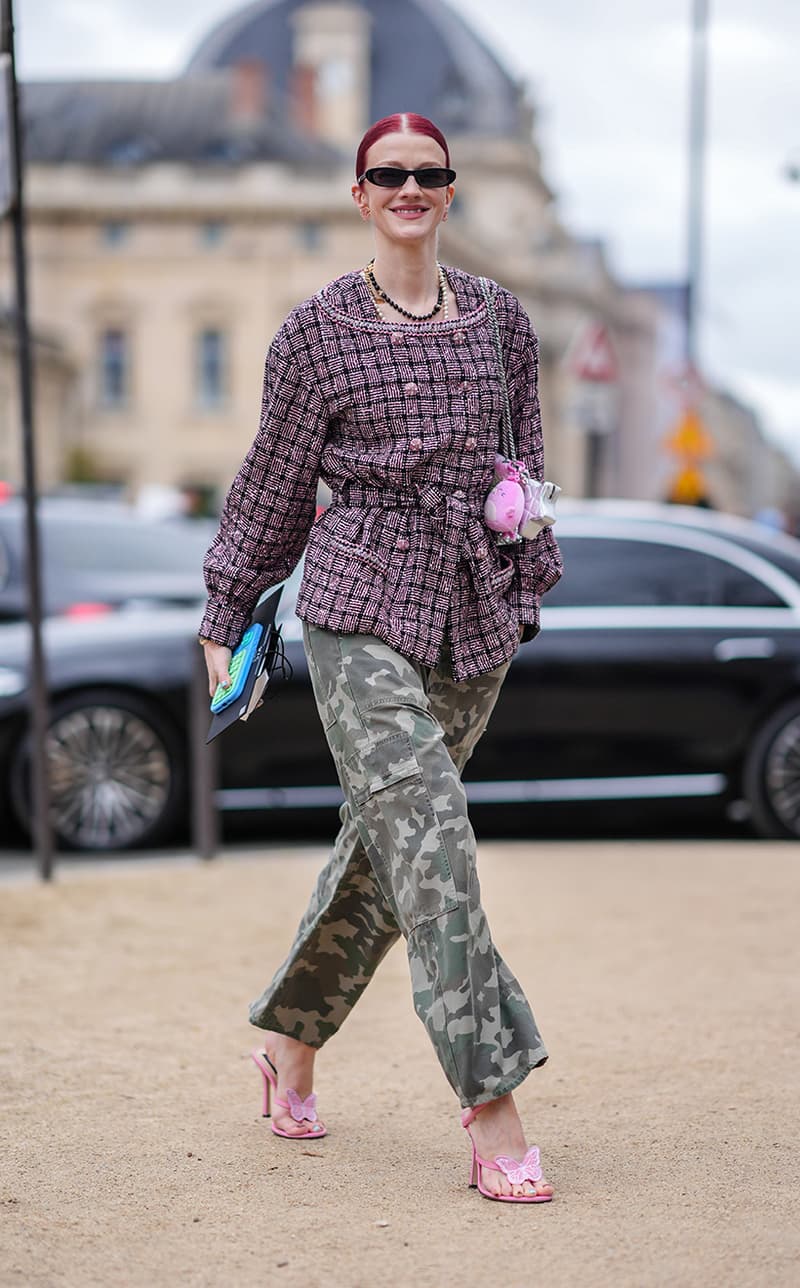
733 650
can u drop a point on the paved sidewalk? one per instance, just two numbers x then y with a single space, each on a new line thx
665 980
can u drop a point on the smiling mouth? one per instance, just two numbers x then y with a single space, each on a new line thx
410 210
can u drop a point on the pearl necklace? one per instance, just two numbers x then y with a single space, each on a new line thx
377 293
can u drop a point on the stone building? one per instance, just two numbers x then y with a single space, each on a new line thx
172 224
56 384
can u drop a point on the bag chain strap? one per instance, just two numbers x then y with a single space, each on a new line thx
508 446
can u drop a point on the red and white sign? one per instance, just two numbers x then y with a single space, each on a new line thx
593 358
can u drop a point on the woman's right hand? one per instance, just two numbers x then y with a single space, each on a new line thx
218 659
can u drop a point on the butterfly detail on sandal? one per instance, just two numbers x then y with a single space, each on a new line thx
302 1110
527 1170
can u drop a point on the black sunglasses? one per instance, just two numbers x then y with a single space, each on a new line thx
390 176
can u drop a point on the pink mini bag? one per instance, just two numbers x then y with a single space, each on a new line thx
517 506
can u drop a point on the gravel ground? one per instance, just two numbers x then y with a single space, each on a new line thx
665 980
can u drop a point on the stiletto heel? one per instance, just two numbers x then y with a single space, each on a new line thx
517 1173
265 1112
300 1110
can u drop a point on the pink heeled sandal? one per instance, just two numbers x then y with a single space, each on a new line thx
300 1110
516 1173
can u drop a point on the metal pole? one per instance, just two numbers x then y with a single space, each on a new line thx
40 787
695 200
203 762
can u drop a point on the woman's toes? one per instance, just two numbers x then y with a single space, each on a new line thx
287 1124
494 1182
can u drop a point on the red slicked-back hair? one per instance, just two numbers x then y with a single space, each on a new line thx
399 123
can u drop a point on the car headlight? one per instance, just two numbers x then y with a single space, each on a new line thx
12 682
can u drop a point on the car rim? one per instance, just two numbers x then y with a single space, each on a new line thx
110 777
782 777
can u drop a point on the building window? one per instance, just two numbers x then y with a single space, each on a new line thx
114 367
115 232
310 234
212 232
210 367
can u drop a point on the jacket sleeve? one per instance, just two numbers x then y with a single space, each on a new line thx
271 503
538 562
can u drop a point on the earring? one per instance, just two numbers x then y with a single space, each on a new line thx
365 212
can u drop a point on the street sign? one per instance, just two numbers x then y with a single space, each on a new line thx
688 487
690 439
593 358
684 383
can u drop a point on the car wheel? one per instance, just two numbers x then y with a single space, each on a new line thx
772 775
116 772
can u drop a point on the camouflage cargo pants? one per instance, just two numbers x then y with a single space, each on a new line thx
404 862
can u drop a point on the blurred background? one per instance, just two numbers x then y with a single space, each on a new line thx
631 171
188 183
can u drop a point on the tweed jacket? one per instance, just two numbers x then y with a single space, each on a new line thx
402 421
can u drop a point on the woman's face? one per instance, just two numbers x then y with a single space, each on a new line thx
408 213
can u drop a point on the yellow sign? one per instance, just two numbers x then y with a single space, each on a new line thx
688 487
690 438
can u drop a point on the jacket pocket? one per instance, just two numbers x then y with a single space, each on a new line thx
501 578
335 554
401 830
549 564
359 553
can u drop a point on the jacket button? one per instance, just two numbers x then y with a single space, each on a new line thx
416 444
411 388
458 337
401 543
396 337
470 442
459 495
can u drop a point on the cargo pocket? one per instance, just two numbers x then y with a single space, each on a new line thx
403 835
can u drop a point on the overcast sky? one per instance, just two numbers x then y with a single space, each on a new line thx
609 81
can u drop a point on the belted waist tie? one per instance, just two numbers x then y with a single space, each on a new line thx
421 497
456 513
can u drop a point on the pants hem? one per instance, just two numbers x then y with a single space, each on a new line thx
272 1025
508 1084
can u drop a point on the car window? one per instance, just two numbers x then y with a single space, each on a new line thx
740 590
774 554
777 548
614 572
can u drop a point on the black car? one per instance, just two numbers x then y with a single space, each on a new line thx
99 556
667 669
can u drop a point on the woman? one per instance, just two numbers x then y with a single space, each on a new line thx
386 384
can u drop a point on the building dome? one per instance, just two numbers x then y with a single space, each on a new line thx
422 57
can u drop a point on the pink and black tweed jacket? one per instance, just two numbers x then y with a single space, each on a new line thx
402 421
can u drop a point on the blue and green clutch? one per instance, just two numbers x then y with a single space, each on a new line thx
254 660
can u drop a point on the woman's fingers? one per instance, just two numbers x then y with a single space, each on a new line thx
218 659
